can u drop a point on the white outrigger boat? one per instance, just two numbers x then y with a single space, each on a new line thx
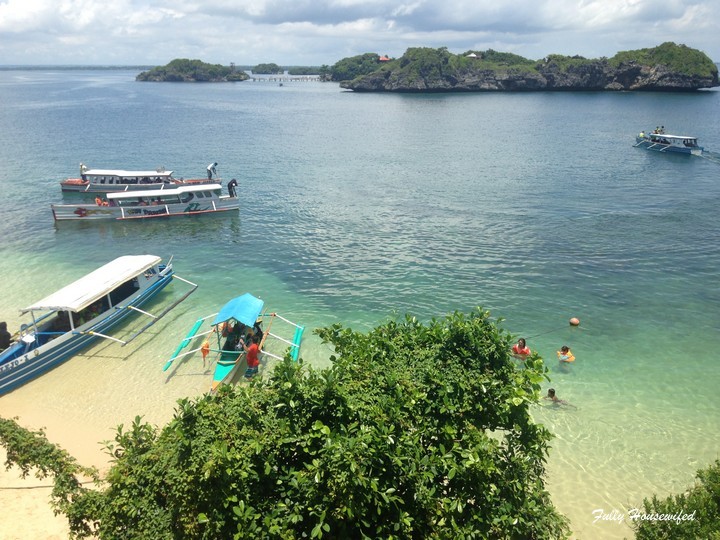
77 315
664 142
109 180
178 201
240 318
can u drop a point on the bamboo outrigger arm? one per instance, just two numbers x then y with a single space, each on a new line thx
156 318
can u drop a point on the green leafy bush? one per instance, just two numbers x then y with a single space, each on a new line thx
415 431
688 516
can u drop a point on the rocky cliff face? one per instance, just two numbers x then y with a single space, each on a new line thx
545 75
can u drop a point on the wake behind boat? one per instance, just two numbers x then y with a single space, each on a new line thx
177 201
77 315
110 180
240 321
660 141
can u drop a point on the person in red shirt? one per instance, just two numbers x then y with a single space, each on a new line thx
520 349
252 355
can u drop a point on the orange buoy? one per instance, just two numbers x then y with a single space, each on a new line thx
574 321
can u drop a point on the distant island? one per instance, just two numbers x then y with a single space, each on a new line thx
668 67
184 70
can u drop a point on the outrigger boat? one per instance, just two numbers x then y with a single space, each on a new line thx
79 314
663 142
109 180
179 201
240 318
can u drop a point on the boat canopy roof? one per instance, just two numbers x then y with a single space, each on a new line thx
679 137
96 284
160 192
131 174
245 309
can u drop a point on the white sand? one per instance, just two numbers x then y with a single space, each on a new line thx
27 514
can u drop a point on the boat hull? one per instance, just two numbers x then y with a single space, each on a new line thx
90 212
648 144
22 362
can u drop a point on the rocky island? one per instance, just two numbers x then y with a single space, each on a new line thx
184 70
668 67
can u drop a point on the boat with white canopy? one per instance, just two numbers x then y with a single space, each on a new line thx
242 319
109 180
72 318
660 141
178 201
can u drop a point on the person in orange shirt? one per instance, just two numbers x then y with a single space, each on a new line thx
520 349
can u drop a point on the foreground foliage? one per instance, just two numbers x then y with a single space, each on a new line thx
700 507
31 451
416 431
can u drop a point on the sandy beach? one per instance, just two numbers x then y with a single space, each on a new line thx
27 512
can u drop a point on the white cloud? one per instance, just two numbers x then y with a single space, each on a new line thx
313 32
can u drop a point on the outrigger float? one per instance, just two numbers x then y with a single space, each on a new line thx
74 317
178 201
109 180
241 317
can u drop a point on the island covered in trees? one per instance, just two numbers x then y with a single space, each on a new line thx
667 67
184 70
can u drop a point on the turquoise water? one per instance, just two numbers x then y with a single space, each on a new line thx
359 207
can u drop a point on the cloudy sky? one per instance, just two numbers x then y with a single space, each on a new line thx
316 32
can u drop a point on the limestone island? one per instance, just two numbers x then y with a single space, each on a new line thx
666 68
184 70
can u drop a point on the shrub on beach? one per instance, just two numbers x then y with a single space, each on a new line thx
415 431
691 515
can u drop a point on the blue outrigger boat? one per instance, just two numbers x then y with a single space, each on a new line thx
659 141
241 317
79 314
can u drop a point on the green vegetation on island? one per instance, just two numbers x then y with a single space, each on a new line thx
309 70
679 58
354 66
668 67
184 70
268 69
415 431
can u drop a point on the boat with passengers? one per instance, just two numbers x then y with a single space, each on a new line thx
238 324
177 201
109 180
72 318
660 141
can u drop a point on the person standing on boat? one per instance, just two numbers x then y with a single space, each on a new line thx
252 352
232 184
211 170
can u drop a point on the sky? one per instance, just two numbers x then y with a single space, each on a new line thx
321 32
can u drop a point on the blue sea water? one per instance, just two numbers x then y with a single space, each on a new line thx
360 207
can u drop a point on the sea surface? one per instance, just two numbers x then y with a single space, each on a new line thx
357 208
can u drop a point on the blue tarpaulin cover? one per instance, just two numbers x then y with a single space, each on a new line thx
245 309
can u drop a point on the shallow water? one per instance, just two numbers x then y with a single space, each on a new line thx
361 207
